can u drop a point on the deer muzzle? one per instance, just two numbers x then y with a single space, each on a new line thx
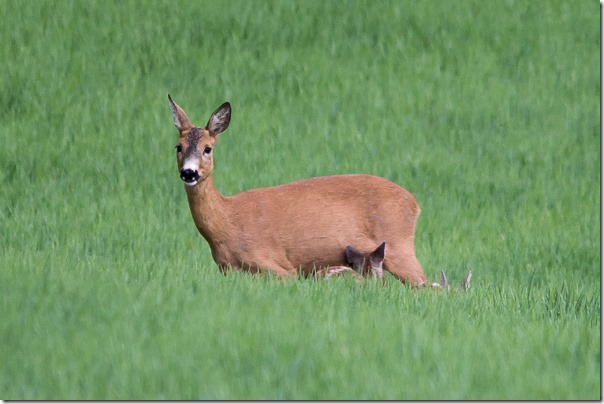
189 176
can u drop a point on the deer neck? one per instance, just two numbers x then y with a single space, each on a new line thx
209 211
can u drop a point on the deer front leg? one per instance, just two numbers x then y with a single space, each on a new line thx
406 268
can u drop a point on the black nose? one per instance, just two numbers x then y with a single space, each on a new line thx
189 175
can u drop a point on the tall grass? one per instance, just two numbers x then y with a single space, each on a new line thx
487 112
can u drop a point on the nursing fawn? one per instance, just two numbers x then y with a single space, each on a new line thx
362 264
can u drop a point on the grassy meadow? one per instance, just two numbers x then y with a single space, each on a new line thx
488 112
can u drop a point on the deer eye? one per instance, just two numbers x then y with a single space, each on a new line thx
207 150
178 148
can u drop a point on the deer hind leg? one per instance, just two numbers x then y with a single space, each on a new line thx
406 268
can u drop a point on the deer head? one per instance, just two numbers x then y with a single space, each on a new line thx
365 264
195 145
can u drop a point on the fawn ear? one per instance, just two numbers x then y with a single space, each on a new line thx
377 261
181 120
220 119
377 256
465 284
355 258
443 280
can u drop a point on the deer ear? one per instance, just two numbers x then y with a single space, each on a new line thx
377 256
220 119
181 120
444 282
376 259
465 283
355 258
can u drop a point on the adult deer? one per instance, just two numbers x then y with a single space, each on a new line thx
302 225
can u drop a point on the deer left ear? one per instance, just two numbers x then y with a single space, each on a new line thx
220 119
465 284
181 120
355 258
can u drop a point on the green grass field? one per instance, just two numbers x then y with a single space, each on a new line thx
488 112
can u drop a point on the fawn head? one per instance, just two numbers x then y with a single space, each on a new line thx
367 263
195 145
465 283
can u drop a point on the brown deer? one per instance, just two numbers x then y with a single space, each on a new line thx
366 264
465 283
298 226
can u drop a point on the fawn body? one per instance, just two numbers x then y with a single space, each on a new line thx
362 264
303 225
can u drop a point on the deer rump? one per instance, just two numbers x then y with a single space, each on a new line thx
307 224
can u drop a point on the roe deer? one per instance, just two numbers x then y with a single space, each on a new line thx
465 283
301 225
367 263
362 264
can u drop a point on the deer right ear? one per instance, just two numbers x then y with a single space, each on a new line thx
377 256
220 119
181 120
444 282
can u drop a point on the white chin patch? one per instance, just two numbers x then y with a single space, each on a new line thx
191 184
